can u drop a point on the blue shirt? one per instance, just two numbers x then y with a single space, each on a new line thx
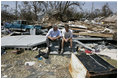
53 33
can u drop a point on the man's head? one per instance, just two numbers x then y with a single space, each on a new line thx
55 27
66 27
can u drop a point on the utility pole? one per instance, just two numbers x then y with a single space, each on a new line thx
92 10
16 9
92 7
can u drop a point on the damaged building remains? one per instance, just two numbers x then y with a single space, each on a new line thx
24 49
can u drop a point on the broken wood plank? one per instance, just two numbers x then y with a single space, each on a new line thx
76 68
77 29
78 26
90 66
95 39
83 45
94 34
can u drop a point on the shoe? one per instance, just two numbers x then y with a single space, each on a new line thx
59 51
48 52
47 48
46 56
37 56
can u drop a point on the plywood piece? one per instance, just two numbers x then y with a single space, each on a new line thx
76 68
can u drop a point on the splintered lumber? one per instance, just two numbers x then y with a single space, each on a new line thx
78 26
94 34
90 66
76 29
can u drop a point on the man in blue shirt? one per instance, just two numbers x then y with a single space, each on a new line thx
54 34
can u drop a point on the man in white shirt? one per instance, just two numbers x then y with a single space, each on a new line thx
67 37
53 34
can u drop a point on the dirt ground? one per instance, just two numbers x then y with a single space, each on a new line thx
110 61
57 66
13 66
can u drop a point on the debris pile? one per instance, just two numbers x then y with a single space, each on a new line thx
24 53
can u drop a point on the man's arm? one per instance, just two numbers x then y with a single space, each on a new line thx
71 35
48 35
58 37
69 38
63 32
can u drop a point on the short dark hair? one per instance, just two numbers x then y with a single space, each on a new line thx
66 26
54 25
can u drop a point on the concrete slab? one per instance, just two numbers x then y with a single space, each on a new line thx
25 41
55 47
65 53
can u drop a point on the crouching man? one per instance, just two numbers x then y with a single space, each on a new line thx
66 37
53 35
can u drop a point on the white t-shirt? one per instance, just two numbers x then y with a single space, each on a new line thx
53 33
67 34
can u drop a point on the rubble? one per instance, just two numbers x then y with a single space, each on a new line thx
110 53
29 64
101 48
94 34
110 19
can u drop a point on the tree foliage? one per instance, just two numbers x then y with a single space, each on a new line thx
60 10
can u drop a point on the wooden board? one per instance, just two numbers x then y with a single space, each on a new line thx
90 66
78 29
94 34
76 68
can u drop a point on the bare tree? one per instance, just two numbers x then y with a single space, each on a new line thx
106 11
37 7
25 11
6 6
63 8
32 10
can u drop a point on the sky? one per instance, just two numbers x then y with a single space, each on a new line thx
87 6
98 5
